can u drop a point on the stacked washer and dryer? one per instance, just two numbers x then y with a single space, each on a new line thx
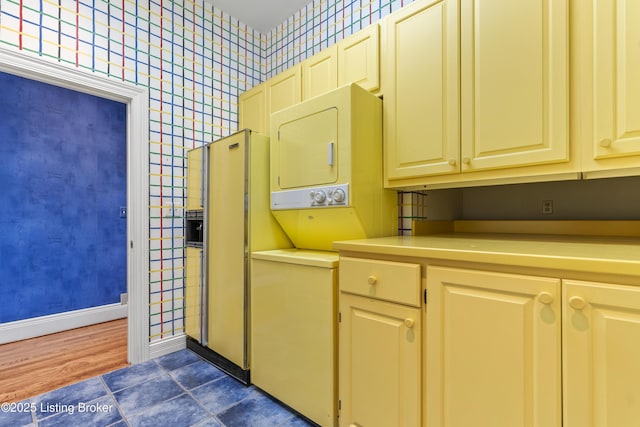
326 185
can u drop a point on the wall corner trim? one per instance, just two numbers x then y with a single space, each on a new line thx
167 345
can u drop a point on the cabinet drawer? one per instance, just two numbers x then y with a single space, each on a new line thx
385 280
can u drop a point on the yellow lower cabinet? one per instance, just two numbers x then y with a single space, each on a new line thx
601 350
379 363
293 332
493 353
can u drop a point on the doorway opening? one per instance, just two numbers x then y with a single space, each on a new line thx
136 100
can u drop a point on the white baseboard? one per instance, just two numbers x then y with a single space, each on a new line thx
167 345
44 325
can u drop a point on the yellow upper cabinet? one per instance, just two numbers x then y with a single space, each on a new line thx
515 83
252 106
284 90
421 83
320 73
256 105
359 59
611 84
503 106
355 59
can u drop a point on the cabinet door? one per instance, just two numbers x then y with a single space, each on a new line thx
193 279
320 73
421 83
293 335
616 86
195 197
601 350
252 109
379 363
358 59
492 349
284 90
515 88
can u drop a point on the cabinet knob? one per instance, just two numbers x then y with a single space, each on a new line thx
466 160
577 303
605 143
372 280
545 298
409 322
452 162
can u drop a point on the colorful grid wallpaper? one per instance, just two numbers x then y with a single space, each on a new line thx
320 25
412 205
195 59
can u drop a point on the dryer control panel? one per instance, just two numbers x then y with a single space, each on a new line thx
314 197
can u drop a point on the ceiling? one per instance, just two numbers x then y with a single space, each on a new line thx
261 15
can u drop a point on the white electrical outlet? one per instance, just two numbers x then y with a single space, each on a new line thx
547 207
124 299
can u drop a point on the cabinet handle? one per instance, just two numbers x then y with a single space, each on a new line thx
545 298
372 280
409 322
577 303
466 160
452 162
605 143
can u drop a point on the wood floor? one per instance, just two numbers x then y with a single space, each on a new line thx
37 365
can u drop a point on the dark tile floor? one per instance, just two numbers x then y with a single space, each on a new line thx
177 390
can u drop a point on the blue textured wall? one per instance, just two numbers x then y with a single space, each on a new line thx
62 181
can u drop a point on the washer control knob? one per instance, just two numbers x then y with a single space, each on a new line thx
338 195
319 197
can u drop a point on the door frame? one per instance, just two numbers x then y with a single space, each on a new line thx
137 100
